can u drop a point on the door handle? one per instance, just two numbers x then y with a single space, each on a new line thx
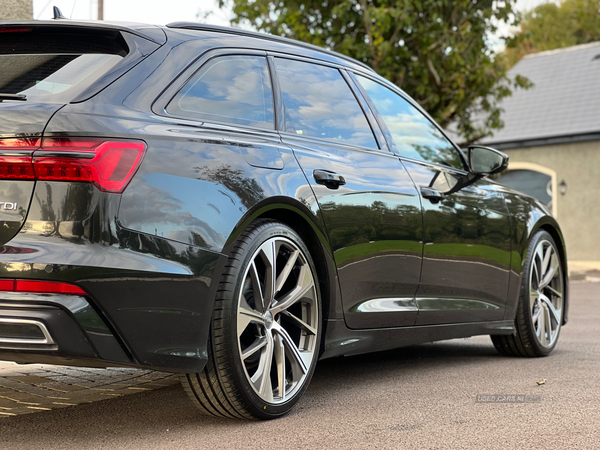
330 179
431 194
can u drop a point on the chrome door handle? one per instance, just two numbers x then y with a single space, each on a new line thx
331 180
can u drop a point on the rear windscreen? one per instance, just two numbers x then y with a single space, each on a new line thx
55 66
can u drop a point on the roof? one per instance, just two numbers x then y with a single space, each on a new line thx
564 101
155 33
271 37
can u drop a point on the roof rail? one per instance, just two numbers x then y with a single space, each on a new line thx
269 37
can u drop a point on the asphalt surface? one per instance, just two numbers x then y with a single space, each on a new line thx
419 397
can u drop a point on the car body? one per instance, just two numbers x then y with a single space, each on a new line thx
408 247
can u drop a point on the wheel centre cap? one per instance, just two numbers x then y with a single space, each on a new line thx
268 319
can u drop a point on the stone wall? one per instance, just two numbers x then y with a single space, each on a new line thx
16 10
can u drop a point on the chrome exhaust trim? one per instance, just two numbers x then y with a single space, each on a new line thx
45 340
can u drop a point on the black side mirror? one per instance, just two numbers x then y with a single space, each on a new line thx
485 160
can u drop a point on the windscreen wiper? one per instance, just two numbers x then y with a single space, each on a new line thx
18 97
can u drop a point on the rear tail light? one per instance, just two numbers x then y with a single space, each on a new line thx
15 158
40 287
110 165
16 168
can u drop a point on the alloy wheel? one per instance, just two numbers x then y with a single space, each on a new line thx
546 293
277 320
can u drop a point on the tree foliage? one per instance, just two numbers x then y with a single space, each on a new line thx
550 26
435 50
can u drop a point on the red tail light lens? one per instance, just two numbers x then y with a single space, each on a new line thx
16 168
7 285
15 158
110 165
40 287
20 144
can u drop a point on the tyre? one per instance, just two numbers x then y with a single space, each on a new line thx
540 309
266 328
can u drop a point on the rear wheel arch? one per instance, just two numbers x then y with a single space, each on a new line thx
312 241
297 216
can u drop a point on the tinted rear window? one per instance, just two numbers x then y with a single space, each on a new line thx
231 89
54 66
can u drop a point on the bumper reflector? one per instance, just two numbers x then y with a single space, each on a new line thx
40 287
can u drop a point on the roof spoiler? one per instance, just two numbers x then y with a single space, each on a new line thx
152 33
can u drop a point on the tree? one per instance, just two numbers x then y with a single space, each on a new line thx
435 50
550 26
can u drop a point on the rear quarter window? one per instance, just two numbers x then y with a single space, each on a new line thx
234 89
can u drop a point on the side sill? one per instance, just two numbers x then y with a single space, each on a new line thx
342 341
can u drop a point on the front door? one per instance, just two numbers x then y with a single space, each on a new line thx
466 226
466 256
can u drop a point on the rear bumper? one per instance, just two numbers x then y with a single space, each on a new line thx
150 318
55 326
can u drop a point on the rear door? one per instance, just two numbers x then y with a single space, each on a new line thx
466 234
369 204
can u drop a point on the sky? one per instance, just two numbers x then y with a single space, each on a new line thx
161 12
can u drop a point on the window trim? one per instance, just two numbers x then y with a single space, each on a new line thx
382 146
368 111
386 132
332 142
159 105
279 108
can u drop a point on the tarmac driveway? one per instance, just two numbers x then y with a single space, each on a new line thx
419 397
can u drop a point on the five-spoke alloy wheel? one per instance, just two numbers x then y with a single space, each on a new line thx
266 328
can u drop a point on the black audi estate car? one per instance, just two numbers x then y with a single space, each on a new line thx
234 206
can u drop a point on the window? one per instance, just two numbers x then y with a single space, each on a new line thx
414 135
530 182
319 103
231 89
55 66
